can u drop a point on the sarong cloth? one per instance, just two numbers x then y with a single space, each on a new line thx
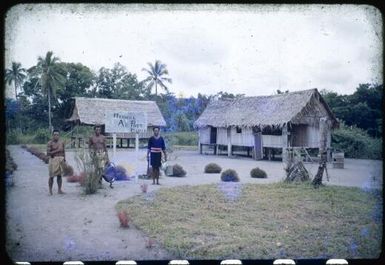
55 166
156 146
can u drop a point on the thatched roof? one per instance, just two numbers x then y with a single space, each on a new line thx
91 111
263 111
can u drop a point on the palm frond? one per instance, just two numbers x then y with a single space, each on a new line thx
148 71
150 85
148 79
167 79
162 85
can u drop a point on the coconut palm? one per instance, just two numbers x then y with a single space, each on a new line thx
156 77
51 78
15 74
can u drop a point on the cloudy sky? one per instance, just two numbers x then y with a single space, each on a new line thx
248 49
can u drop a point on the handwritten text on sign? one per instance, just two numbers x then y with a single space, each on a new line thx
126 122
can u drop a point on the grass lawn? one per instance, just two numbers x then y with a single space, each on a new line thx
251 221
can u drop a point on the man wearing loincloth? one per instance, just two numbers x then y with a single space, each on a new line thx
98 151
155 149
56 153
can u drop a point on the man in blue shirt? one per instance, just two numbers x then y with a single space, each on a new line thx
156 148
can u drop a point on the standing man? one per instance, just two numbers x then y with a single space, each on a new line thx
56 153
98 151
155 149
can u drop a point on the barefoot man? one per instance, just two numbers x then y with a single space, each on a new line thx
98 151
155 149
56 153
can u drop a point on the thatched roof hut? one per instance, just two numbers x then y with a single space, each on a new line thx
91 111
266 123
262 111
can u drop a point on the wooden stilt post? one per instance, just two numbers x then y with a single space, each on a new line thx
323 126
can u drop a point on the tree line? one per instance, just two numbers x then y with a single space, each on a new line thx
47 89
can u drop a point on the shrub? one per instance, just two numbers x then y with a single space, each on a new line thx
258 173
42 136
229 175
212 168
178 171
12 137
181 138
356 143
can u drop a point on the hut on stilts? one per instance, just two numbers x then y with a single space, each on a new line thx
266 126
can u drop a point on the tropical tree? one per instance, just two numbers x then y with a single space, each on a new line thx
156 76
15 74
117 83
52 78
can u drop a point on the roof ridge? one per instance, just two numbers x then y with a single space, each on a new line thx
113 99
269 96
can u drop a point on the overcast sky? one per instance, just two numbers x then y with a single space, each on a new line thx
246 49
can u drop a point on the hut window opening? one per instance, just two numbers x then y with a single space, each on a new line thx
238 129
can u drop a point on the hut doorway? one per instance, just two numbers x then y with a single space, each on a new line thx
213 135
258 154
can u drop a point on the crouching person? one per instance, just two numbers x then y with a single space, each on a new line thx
56 153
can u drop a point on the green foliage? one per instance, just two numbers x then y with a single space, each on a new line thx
362 108
117 83
213 168
229 175
258 173
41 136
181 138
178 171
157 76
16 74
17 137
88 167
356 143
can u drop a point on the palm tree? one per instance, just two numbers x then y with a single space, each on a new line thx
15 74
156 76
51 78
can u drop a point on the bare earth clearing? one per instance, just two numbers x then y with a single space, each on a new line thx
74 226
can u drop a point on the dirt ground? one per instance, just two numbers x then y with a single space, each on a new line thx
82 227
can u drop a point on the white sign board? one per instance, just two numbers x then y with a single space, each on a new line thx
126 122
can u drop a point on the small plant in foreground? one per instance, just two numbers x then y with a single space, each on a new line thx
213 168
178 171
258 173
229 175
